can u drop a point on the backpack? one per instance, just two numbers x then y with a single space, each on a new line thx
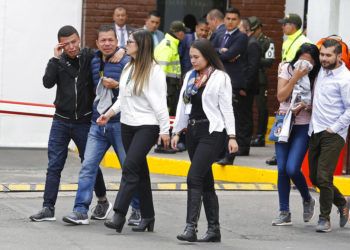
345 50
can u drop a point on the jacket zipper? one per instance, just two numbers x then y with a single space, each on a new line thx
76 98
76 91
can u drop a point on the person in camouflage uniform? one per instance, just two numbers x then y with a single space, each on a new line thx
266 61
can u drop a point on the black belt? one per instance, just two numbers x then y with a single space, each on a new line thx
193 122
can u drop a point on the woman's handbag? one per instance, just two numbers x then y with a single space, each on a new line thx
277 127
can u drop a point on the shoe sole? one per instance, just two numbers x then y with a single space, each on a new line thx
44 219
132 223
283 224
75 222
324 231
106 215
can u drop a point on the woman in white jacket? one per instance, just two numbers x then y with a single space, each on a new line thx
144 117
205 109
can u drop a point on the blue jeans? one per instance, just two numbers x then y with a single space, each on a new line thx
60 135
100 139
289 159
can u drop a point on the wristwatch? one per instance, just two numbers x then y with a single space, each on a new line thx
232 137
174 134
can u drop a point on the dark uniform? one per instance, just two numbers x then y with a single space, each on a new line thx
266 61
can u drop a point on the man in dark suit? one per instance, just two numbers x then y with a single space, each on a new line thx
201 31
215 20
231 46
152 24
251 75
121 29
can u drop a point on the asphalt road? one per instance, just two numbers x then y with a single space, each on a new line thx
245 224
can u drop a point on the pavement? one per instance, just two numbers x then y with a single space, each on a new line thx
245 216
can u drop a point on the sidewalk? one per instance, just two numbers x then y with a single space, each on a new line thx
246 169
25 170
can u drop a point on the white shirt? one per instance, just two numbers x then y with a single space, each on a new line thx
150 108
216 101
331 102
120 33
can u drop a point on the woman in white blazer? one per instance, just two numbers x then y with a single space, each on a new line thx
144 117
205 109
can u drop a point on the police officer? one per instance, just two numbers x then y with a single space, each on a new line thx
167 55
267 58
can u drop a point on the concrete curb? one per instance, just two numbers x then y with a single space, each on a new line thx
236 174
162 186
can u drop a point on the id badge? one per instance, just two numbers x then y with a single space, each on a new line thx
188 108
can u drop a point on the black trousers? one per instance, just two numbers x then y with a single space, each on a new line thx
203 149
137 142
261 105
324 150
243 110
173 91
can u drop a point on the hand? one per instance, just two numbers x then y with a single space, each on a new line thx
299 107
174 141
166 140
232 146
223 50
242 93
110 83
330 131
117 56
299 73
58 50
102 120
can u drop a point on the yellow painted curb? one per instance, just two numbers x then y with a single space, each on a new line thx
169 186
237 174
343 184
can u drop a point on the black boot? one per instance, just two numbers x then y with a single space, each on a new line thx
194 198
211 207
117 222
146 223
227 160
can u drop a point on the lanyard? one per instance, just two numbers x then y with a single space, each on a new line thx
284 58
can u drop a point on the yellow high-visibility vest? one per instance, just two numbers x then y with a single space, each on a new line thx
292 44
167 55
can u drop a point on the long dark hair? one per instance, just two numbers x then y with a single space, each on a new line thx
144 59
314 52
204 46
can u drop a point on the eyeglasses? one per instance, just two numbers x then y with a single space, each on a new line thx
130 41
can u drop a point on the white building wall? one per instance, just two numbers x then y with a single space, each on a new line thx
28 34
327 17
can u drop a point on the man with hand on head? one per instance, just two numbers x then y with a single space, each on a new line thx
106 77
69 71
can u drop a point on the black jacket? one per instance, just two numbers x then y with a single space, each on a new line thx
252 65
233 59
74 93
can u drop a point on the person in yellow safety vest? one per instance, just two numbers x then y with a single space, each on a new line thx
291 25
167 55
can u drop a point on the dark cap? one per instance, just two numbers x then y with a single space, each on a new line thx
254 22
291 18
177 26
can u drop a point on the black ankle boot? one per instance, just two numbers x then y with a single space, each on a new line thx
189 234
227 160
211 207
146 223
117 222
194 202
